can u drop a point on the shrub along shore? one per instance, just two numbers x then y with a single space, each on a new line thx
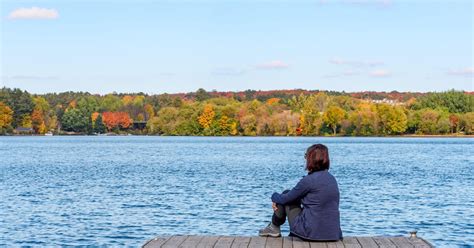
247 113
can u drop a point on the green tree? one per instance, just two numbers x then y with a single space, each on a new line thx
111 103
99 126
202 95
165 122
19 101
74 120
454 101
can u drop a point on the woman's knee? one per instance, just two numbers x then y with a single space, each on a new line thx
285 191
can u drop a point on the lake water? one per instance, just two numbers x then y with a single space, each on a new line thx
122 191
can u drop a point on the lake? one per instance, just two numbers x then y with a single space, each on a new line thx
122 191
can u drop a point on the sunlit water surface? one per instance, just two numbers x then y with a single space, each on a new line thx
121 191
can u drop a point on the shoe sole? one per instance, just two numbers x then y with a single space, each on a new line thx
270 235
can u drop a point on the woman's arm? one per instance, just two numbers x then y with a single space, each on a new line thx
300 190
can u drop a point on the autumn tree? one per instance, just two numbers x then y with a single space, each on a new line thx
116 120
207 116
467 123
165 122
364 119
149 112
333 117
6 117
37 121
20 102
392 119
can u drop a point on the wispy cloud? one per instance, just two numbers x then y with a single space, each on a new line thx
380 73
34 13
228 71
275 64
342 74
468 71
355 63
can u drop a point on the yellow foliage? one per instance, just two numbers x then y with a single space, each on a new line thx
207 116
72 104
94 116
6 115
127 100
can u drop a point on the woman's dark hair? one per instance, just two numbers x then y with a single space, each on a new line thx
317 158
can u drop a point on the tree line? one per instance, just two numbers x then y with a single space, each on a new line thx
249 113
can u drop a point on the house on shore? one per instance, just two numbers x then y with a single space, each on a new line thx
23 130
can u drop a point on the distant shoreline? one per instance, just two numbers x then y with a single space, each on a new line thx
322 136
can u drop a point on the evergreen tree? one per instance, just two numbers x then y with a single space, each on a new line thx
99 126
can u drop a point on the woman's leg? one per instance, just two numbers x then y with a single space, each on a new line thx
279 217
292 210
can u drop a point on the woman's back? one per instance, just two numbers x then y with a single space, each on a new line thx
319 219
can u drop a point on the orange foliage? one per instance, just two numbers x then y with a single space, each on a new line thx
207 116
113 120
72 104
6 115
37 121
94 116
127 100
273 100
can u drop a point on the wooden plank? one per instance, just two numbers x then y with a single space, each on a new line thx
351 242
367 242
174 241
287 242
156 242
384 242
241 242
191 241
257 242
299 243
316 244
336 244
401 242
274 242
207 242
419 243
224 242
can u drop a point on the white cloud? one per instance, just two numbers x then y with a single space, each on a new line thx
468 71
355 63
380 73
275 64
34 13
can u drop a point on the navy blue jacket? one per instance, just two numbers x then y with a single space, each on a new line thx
319 195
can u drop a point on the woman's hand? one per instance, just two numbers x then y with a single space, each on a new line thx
274 206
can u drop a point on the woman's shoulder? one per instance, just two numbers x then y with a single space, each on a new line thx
321 176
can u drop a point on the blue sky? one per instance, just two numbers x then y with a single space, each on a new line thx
180 46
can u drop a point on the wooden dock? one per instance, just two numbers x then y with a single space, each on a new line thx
283 242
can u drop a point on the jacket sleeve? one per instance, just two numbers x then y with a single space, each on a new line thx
300 190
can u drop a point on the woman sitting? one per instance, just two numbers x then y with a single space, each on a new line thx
312 206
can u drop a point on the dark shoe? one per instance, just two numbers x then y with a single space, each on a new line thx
270 231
